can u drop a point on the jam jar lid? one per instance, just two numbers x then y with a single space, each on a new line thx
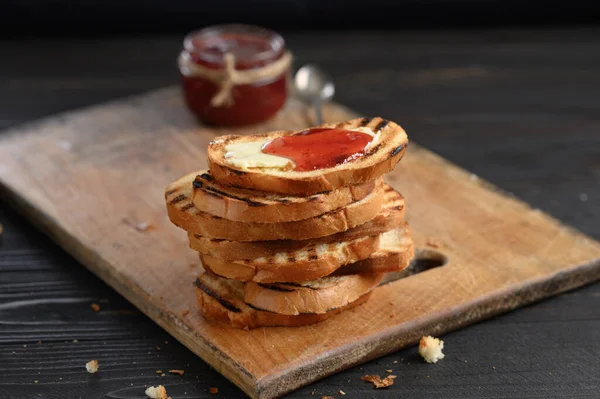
252 46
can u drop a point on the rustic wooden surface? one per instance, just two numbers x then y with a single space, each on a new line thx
566 333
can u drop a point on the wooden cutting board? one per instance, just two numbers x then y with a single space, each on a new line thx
94 179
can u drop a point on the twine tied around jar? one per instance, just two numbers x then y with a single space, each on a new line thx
228 77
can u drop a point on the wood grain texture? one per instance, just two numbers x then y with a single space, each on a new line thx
100 173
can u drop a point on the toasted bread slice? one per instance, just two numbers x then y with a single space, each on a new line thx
318 296
357 213
242 205
381 155
223 300
394 251
390 217
307 264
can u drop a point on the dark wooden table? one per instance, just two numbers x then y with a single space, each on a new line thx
518 108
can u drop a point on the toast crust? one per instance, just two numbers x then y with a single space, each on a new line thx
317 296
223 300
308 264
379 159
178 194
243 205
389 218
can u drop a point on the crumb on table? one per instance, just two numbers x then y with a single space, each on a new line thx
158 392
378 382
92 366
431 349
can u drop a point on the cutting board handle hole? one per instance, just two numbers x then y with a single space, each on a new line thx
425 259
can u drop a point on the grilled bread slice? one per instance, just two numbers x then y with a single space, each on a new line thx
390 217
396 250
393 253
223 300
381 155
307 264
255 206
195 221
318 296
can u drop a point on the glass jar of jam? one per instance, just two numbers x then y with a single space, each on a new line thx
234 75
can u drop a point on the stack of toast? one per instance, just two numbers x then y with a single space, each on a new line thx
292 240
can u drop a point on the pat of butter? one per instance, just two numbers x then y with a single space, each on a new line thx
250 155
370 133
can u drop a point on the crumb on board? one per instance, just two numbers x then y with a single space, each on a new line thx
157 347
395 361
431 349
388 370
176 371
433 243
158 371
158 392
213 390
378 382
92 366
342 392
95 307
326 397
35 381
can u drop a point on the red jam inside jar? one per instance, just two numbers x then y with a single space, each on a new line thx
319 148
253 48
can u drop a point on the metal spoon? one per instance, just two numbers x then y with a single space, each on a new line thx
313 85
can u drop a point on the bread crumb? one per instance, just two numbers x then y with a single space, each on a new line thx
433 243
395 361
158 392
75 341
431 349
158 371
213 390
378 382
35 381
92 366
176 371
143 226
157 347
342 392
95 307
326 397
162 375
388 371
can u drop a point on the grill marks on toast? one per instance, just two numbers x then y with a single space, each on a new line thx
191 219
389 218
229 294
227 305
202 183
308 264
319 296
238 204
393 253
